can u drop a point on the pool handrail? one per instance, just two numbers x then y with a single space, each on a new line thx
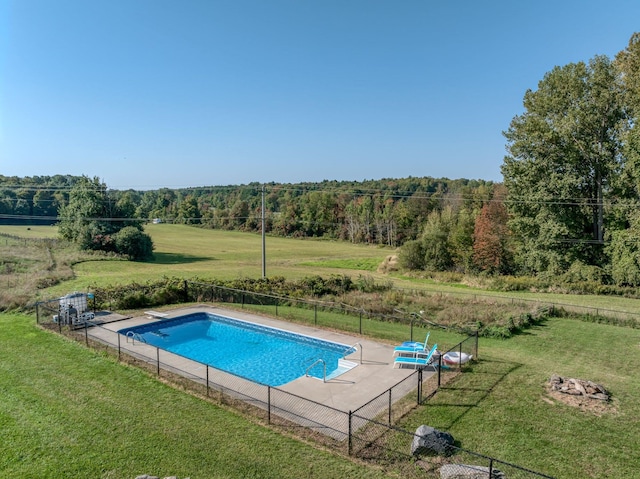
324 373
354 347
134 335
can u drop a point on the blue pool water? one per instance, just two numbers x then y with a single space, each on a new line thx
265 355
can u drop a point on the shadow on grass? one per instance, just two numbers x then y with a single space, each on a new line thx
172 258
531 328
471 388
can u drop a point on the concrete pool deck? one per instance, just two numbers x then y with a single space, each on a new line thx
347 392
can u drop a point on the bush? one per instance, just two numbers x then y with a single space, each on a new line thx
170 294
134 300
134 244
367 284
412 255
579 272
516 283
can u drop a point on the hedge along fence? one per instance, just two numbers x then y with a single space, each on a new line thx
275 295
177 290
297 309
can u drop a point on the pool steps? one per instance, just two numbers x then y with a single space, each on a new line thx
344 365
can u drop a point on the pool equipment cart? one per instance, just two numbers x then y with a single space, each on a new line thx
73 309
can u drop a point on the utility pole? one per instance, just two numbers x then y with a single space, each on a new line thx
264 249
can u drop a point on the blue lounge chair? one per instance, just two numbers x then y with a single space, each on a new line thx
419 361
411 349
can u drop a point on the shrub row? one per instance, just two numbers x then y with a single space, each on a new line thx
177 290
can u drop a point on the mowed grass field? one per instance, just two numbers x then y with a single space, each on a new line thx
189 252
63 408
502 407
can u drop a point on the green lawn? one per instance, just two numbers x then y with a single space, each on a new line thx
501 407
66 411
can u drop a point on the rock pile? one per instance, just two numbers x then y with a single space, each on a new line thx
578 387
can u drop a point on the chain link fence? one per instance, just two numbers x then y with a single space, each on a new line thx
368 433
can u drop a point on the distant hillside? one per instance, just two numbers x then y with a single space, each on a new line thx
387 211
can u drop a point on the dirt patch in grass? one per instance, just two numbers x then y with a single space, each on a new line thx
585 404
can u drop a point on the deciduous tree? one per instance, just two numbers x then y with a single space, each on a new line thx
491 237
88 220
564 152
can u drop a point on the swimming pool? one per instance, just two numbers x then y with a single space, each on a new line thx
260 353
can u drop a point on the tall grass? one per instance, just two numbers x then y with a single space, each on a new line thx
31 265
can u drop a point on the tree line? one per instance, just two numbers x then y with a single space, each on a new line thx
385 212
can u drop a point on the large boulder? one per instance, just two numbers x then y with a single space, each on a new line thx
465 471
430 441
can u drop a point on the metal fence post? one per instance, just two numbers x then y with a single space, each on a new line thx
276 306
86 334
360 321
439 370
477 341
207 368
158 361
118 347
37 313
315 314
390 404
419 386
268 404
350 445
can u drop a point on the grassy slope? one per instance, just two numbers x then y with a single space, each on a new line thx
66 411
193 252
30 231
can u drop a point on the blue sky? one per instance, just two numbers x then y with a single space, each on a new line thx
171 93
